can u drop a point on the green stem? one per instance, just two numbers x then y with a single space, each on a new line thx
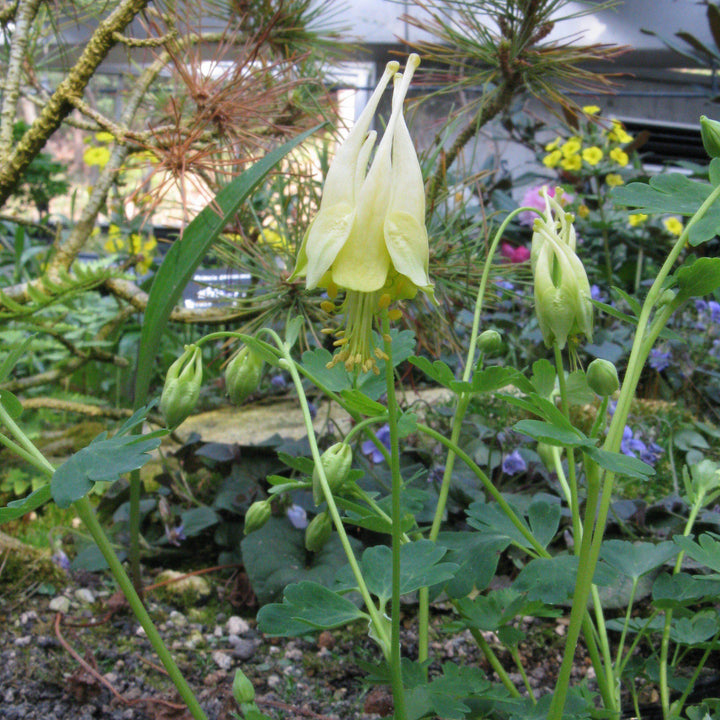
642 343
518 663
134 530
86 514
492 658
395 650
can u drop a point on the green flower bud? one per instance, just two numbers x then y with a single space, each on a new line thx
182 386
318 532
336 462
242 689
710 133
667 298
242 374
490 342
562 292
256 516
705 477
602 377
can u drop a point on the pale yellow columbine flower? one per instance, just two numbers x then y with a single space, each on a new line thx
636 219
570 147
563 302
572 163
673 225
592 155
552 159
618 134
369 236
614 180
619 156
583 211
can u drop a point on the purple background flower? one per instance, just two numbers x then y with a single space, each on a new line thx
514 464
368 447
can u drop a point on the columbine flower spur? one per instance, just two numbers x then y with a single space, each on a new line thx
369 236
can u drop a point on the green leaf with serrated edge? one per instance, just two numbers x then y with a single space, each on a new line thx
578 390
620 464
17 350
553 580
544 408
306 607
292 330
683 589
437 370
696 629
491 611
185 254
550 434
335 378
11 404
304 465
104 460
543 377
407 424
544 519
635 559
17 508
359 402
494 523
705 551
476 557
489 379
197 519
700 278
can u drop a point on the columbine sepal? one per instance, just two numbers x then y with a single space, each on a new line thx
182 386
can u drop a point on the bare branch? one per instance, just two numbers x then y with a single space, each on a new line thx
73 85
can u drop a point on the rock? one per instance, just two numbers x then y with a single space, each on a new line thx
236 626
244 649
222 660
85 596
23 641
326 640
60 604
178 619
28 617
188 590
195 640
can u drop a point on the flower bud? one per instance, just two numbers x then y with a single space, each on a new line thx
547 455
242 374
318 532
336 462
602 377
182 386
242 689
256 516
710 133
490 342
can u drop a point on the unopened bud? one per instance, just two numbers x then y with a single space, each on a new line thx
256 516
710 133
318 532
547 455
490 342
242 689
336 462
242 375
182 386
602 377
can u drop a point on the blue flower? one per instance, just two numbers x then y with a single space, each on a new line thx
597 294
514 464
633 446
651 454
175 535
297 517
714 308
278 381
368 447
659 359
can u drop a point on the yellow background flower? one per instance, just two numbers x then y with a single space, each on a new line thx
553 145
614 180
571 147
673 225
618 134
592 155
553 159
96 156
591 109
574 162
583 210
636 219
619 156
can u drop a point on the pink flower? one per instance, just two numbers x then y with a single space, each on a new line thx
514 254
532 198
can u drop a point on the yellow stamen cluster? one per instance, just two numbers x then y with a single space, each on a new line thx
356 349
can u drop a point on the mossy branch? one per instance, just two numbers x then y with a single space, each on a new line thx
73 85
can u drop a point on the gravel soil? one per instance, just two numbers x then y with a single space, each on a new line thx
80 654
